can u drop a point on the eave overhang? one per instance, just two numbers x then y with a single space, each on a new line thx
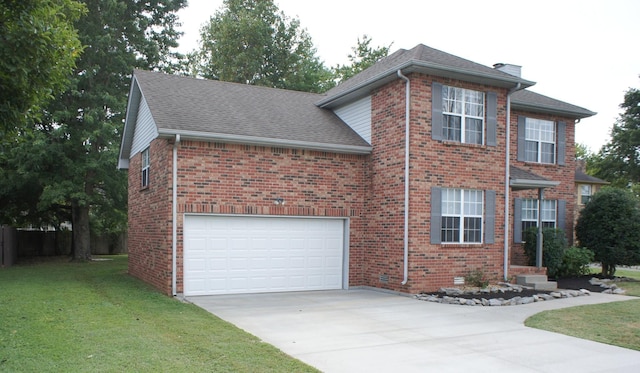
263 141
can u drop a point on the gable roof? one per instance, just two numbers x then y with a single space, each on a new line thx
231 112
422 59
531 101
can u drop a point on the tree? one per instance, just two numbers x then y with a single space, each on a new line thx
252 42
362 57
619 160
610 226
74 150
38 50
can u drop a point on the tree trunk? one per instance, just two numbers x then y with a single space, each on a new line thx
81 232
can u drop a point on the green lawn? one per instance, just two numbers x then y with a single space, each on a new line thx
93 317
616 323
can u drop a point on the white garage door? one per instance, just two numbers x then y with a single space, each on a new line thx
240 254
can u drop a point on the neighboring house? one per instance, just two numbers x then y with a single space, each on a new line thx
585 187
238 189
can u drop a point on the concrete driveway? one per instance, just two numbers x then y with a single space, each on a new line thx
370 331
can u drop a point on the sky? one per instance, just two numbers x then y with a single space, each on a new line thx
584 52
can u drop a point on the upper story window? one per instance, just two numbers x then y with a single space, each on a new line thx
585 193
463 115
540 141
463 111
462 212
145 169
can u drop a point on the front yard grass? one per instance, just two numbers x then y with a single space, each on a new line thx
93 317
616 323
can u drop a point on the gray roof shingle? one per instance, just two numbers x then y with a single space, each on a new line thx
197 106
528 100
423 59
581 177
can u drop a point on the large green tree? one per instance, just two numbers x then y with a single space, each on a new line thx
619 160
74 151
38 49
609 225
362 57
253 42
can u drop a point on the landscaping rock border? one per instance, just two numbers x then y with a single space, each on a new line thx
474 296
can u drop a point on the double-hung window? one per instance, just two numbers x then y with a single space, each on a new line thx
463 111
553 215
540 141
529 214
585 193
144 182
462 212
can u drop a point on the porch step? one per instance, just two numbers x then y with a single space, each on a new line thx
537 282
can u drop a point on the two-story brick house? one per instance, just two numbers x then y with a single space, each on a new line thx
405 177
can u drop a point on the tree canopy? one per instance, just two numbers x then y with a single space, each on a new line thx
253 42
619 160
73 151
363 55
38 49
609 225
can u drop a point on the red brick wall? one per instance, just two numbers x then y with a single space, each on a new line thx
433 163
150 236
565 174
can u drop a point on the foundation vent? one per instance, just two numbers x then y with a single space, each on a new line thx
458 280
384 278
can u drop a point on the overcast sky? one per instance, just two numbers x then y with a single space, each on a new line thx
584 52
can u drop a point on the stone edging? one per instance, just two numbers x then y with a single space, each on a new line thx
452 295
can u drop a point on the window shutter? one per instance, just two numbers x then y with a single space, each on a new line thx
492 118
517 220
490 216
436 111
521 137
562 142
562 214
436 215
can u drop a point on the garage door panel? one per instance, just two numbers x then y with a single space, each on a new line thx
256 254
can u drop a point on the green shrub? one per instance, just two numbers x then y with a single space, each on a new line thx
476 278
554 244
610 226
576 261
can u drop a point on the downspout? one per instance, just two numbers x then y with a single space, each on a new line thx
406 176
174 207
507 188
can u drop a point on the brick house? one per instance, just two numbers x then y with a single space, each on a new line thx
395 179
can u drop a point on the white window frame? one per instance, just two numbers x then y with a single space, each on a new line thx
540 133
529 217
459 102
462 204
589 192
144 171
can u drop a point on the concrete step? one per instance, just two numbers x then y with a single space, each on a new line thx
547 285
537 282
529 279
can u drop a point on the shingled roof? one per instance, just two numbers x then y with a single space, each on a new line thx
531 101
424 59
211 109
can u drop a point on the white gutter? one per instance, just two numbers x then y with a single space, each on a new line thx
174 207
406 176
507 185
